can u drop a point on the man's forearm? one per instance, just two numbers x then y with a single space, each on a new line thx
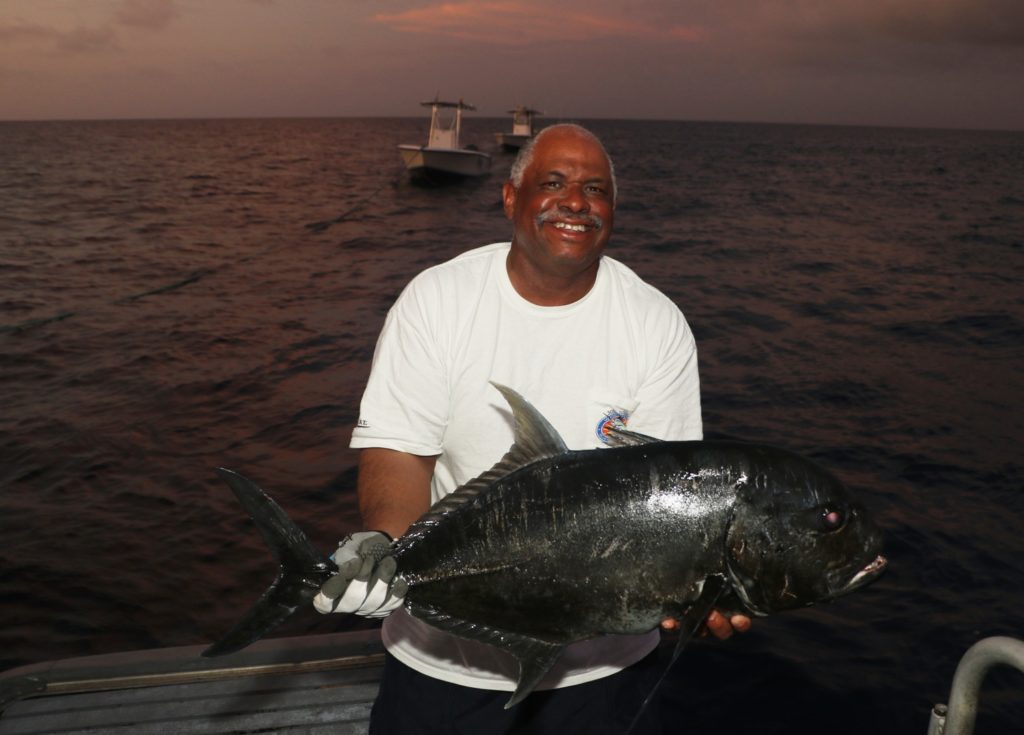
394 489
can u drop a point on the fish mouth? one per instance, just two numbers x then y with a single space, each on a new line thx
867 575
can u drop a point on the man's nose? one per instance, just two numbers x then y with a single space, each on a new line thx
573 199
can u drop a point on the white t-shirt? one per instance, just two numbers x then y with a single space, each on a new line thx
623 352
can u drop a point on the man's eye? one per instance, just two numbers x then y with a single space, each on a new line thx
551 185
597 190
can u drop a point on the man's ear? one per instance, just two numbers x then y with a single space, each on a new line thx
508 196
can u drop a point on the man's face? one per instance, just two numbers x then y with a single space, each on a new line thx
562 211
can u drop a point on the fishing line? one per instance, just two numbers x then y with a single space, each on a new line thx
689 626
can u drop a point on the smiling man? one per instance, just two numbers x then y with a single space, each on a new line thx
589 344
561 200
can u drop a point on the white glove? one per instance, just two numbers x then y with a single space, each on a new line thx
365 583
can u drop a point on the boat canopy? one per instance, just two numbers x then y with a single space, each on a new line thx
445 127
440 103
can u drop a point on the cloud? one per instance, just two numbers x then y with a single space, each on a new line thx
518 22
73 42
964 22
152 15
969 22
878 38
97 38
24 32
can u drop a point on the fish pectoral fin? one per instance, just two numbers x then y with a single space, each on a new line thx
698 612
617 437
535 660
690 623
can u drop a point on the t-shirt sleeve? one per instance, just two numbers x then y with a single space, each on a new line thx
405 404
668 401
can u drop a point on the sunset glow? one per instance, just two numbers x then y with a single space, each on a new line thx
929 63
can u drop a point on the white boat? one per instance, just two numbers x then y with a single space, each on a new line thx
442 157
522 128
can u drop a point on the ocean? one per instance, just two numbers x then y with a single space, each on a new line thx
177 296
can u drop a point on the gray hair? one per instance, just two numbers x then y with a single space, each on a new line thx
525 157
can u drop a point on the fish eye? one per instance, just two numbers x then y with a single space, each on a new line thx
832 519
823 518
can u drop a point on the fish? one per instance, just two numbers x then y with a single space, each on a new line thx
552 546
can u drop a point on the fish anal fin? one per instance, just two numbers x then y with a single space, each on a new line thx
535 660
535 657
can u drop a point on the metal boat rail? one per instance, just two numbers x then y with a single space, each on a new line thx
959 715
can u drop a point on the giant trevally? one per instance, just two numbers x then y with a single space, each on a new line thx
553 546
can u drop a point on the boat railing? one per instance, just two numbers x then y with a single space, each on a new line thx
957 717
185 665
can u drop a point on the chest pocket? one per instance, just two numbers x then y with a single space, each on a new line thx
606 409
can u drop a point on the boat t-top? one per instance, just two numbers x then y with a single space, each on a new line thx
442 156
522 128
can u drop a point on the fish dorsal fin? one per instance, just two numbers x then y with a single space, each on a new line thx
625 438
534 439
535 657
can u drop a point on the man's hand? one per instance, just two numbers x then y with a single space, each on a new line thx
720 626
365 583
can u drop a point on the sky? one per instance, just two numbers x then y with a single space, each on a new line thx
907 63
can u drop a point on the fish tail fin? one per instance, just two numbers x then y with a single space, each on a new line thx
303 569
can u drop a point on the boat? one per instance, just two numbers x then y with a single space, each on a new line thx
311 683
522 128
442 157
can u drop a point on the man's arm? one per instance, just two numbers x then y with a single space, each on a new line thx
393 488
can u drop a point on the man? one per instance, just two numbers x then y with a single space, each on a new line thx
584 340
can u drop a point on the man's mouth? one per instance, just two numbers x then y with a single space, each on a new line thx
571 226
579 223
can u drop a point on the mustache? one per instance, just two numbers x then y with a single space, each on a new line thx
552 213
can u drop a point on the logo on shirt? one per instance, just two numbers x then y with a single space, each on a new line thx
363 424
613 419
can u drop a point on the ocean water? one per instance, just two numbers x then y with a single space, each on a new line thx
177 296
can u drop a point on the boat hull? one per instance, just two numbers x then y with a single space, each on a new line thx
422 161
511 141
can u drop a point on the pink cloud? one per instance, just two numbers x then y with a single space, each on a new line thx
516 22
